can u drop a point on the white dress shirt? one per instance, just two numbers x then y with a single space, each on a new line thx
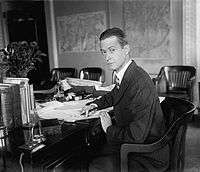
120 73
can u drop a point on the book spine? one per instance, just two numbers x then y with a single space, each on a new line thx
23 106
7 107
16 105
23 100
32 99
27 102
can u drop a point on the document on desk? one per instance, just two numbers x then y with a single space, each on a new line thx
83 82
105 88
67 111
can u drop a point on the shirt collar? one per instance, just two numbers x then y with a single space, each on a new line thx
120 74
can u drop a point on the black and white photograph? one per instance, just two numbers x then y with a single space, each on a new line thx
99 86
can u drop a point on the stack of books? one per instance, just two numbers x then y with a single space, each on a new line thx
18 99
10 105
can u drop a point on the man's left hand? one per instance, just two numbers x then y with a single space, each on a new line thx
105 120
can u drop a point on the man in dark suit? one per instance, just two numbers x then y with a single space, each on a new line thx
138 117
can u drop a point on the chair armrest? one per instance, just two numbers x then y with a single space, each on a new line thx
127 148
143 148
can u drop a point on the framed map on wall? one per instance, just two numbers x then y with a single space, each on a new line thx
147 24
80 32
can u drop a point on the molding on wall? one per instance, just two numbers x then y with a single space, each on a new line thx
189 32
191 40
51 32
198 46
54 41
4 29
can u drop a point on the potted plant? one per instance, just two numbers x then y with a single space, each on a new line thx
18 58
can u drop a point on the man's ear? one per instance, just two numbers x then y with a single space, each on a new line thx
127 49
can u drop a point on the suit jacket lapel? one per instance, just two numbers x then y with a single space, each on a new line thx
124 83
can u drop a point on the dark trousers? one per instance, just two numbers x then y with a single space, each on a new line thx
105 158
107 163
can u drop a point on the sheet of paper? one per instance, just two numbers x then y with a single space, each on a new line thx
78 104
82 82
70 115
45 107
69 111
65 85
106 88
53 103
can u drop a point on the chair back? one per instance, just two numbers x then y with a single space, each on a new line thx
61 73
178 77
176 81
178 113
92 73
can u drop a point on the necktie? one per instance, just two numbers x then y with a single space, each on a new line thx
116 81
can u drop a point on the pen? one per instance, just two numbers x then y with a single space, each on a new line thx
84 113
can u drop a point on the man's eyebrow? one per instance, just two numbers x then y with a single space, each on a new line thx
108 48
111 47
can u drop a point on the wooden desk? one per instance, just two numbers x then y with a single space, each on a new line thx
69 147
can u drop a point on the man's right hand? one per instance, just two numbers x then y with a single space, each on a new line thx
88 108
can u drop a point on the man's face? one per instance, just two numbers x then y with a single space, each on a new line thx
115 55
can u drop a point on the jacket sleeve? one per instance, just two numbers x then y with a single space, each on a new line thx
140 112
106 100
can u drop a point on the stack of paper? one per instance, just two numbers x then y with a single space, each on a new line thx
105 88
68 111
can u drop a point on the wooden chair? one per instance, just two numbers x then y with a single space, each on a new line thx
56 75
176 81
92 73
61 73
177 113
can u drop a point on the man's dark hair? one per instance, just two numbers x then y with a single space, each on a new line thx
121 36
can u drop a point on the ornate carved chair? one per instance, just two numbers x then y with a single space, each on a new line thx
177 113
